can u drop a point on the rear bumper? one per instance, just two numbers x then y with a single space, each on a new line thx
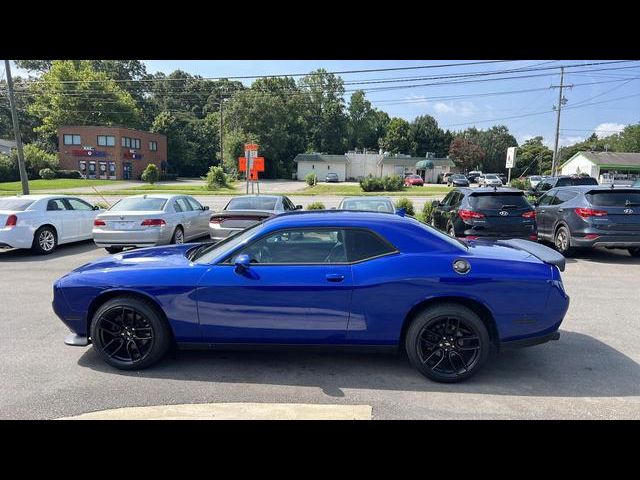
137 238
530 341
16 237
216 232
608 240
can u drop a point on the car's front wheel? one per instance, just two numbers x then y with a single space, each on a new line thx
447 343
634 252
129 333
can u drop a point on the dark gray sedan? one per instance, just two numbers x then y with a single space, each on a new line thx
247 210
589 216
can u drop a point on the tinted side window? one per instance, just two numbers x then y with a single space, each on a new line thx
184 205
457 199
543 186
546 199
563 196
194 203
447 199
77 204
57 204
363 244
177 207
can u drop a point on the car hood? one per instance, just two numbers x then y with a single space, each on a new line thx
167 256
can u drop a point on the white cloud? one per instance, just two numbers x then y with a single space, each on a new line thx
459 109
566 141
608 128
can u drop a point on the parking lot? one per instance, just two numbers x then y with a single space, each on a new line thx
592 372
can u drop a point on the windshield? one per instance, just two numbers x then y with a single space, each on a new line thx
369 205
498 201
462 177
16 204
252 203
614 199
535 178
209 253
491 177
138 204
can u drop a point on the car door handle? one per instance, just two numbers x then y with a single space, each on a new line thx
560 210
334 277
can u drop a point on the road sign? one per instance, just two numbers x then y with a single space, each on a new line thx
511 157
258 164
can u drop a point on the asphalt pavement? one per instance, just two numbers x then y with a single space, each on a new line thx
592 372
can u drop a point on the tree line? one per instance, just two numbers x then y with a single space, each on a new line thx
284 116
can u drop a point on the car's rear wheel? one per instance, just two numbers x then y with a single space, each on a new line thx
447 343
451 231
113 250
562 242
45 241
129 333
634 252
178 236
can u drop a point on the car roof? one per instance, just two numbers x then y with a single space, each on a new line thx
589 188
37 197
164 196
257 196
346 217
470 190
367 197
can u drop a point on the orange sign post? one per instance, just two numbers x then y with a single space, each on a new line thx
252 164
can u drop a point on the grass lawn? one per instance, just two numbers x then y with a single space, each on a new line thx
337 189
55 184
177 189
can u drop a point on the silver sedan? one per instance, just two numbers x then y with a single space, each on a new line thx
148 220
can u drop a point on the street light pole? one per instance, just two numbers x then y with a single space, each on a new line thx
16 131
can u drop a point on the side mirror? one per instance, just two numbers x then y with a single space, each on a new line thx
96 207
242 263
205 208
298 207
435 203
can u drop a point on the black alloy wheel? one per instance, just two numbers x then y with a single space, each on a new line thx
447 343
128 333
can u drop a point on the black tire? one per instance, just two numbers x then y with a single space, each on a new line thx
134 324
45 240
113 250
634 252
451 231
562 241
178 236
453 325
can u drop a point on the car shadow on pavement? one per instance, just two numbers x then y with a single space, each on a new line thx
68 249
604 255
577 365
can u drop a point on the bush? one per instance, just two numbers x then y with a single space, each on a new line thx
47 174
216 178
393 183
8 170
311 179
68 174
427 210
168 177
151 174
35 159
316 206
521 183
406 204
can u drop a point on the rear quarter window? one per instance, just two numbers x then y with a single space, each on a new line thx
363 244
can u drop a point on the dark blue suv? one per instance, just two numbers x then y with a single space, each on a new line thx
589 216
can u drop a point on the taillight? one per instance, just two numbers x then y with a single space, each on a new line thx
591 236
12 221
216 220
590 212
99 223
467 215
153 222
534 237
470 237
531 214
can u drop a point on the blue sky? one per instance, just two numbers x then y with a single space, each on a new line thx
608 114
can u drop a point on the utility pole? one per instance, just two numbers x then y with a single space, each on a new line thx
561 101
16 131
221 133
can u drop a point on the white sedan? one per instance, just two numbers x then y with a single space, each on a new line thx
489 180
42 222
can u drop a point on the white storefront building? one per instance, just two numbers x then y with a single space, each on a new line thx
355 165
606 167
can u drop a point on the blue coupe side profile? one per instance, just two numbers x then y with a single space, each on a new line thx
329 278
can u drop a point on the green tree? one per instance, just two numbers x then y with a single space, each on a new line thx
534 155
628 140
429 137
398 138
363 123
323 113
494 142
92 99
35 159
466 153
150 174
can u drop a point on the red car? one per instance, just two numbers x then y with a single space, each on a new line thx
413 180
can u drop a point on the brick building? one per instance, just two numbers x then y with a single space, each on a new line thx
110 153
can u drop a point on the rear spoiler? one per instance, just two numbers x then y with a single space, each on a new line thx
248 213
542 252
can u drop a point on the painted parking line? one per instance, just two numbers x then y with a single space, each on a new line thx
232 411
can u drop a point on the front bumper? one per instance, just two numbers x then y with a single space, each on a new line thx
608 240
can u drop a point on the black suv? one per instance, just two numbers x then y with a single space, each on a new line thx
589 216
485 212
548 183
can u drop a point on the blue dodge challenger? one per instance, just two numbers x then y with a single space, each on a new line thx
331 278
